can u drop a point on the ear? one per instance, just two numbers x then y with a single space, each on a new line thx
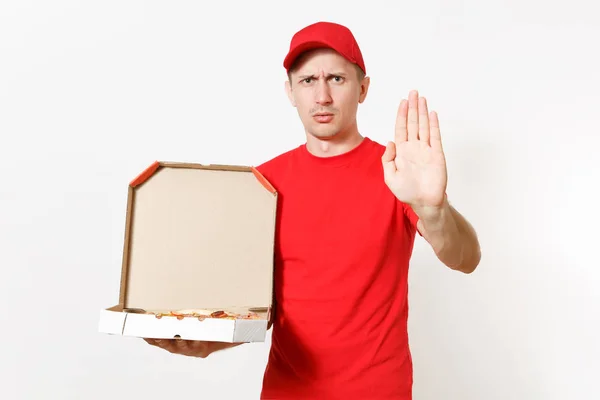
364 88
289 93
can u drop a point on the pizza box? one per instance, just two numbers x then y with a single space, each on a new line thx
199 245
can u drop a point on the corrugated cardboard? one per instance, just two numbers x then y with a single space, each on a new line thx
197 237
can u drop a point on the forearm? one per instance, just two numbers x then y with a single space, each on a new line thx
452 238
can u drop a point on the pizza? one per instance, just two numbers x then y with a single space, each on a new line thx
203 314
200 314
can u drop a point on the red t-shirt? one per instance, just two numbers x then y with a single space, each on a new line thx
343 246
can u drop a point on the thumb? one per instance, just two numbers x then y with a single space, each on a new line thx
390 152
389 167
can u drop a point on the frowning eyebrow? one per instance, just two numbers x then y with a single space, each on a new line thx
342 74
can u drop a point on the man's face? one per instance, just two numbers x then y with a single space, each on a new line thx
325 89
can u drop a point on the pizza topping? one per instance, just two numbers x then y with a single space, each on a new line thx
218 314
201 315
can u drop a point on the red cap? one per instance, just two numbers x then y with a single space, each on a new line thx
325 34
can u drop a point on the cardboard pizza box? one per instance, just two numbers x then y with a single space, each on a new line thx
200 238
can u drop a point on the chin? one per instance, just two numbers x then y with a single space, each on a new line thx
325 133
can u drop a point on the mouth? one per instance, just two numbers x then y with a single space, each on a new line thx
323 117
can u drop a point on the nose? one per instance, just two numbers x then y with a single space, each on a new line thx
323 94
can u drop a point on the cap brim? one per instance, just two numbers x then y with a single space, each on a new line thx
298 50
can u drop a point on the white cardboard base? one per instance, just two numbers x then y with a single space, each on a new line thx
211 329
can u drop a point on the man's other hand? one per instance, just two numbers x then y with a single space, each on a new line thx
191 348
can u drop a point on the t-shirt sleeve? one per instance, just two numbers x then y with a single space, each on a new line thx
412 217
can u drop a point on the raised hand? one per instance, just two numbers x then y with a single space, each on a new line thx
414 164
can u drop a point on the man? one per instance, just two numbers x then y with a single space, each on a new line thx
350 209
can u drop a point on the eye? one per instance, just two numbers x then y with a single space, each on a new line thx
338 79
306 80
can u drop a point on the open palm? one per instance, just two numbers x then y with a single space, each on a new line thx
414 164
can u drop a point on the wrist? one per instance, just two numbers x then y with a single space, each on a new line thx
433 214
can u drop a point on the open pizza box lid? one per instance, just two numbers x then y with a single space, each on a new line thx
198 238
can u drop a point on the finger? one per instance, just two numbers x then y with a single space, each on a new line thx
435 136
169 345
195 348
153 342
201 348
400 135
423 120
413 117
389 166
180 344
164 344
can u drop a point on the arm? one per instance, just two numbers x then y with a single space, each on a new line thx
451 236
414 168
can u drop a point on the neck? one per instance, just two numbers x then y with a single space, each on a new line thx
340 143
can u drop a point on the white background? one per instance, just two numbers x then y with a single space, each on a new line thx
92 92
